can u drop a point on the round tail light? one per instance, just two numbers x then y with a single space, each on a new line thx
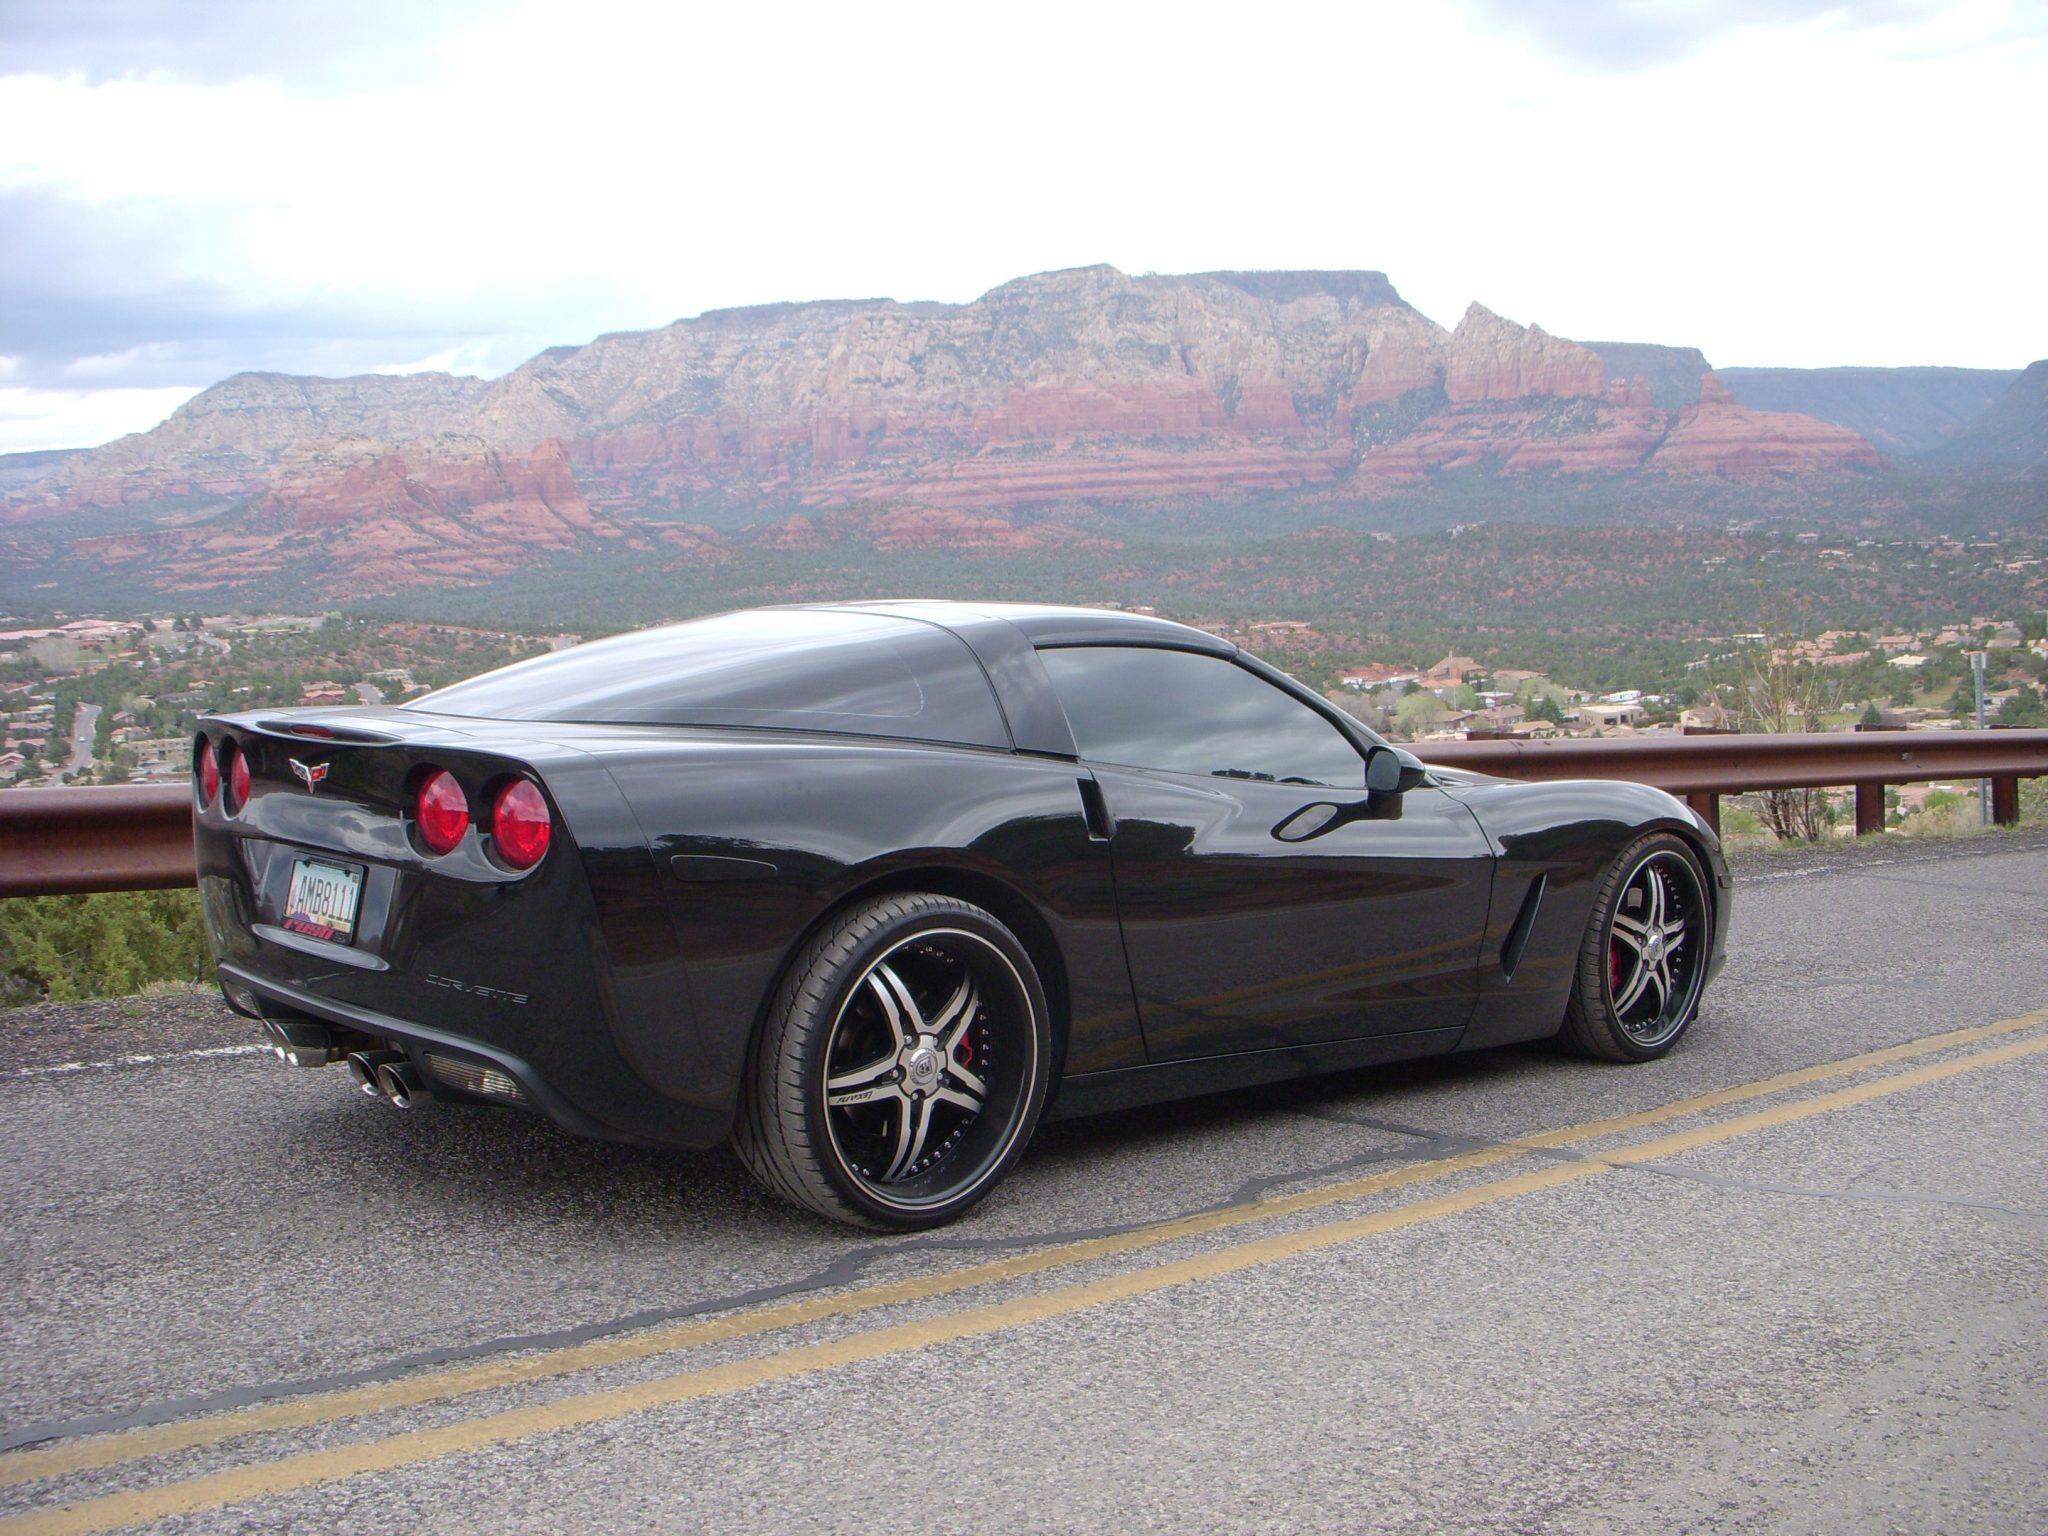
440 811
206 767
237 794
520 824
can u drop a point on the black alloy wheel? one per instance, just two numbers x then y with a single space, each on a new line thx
903 1067
1644 958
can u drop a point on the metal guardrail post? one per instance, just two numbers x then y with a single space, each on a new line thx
2005 799
1869 809
1707 806
1977 660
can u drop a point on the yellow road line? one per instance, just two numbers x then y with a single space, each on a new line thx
406 1448
84 1454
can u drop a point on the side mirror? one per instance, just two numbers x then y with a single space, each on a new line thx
1391 771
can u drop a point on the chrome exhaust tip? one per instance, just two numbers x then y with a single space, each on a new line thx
301 1044
363 1067
399 1081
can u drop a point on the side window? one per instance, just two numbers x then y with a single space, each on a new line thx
1190 713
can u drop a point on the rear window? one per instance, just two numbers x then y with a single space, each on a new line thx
786 669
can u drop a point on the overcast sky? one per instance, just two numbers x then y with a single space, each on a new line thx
193 187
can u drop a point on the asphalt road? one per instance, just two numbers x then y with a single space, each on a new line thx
1792 1279
84 726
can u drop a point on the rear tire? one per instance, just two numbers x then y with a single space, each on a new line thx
1643 961
902 1067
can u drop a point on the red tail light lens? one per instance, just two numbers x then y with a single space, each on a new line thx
238 780
441 811
520 824
207 767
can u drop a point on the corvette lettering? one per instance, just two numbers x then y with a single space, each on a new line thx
488 994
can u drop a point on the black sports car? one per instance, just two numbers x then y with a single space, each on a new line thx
871 889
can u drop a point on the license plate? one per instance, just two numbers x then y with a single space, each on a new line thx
322 900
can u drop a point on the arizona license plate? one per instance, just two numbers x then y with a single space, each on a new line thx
322 900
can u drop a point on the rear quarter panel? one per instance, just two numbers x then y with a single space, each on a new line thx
837 819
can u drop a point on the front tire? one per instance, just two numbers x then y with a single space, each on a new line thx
1643 961
902 1068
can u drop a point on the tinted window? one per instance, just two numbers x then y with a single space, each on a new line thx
1195 714
788 669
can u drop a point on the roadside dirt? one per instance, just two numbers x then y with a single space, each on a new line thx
106 1029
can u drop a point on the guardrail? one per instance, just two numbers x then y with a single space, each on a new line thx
1704 768
113 837
139 837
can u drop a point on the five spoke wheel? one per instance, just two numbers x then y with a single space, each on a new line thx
1644 959
923 1079
904 1067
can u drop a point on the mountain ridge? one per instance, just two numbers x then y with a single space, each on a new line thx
1058 395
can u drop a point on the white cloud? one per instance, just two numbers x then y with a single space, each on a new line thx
80 418
470 358
1825 189
115 365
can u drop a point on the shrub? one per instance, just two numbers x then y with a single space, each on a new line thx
67 948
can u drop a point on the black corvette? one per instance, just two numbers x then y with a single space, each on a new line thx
871 889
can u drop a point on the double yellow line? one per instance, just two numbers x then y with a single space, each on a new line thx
407 1447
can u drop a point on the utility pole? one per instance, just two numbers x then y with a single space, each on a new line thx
1983 785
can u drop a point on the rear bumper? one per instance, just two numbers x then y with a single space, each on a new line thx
417 1041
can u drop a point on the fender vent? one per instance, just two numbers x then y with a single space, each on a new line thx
1525 920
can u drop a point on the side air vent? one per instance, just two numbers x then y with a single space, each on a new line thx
1525 920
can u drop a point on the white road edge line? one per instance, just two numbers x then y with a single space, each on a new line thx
66 1068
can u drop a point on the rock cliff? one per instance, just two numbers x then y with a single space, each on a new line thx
1495 359
1721 436
1079 388
224 440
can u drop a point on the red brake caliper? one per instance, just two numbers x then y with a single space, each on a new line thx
965 1051
1614 959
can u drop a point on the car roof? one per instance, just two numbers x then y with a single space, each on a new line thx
1049 623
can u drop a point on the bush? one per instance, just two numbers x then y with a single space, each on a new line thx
67 948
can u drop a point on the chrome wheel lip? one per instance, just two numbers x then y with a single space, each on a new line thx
1658 942
951 1083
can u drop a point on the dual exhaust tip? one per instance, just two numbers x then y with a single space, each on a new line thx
389 1075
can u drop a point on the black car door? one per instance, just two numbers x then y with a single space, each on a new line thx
1254 916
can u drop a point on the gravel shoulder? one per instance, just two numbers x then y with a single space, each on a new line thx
154 1023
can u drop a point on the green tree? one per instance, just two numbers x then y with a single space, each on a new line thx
2023 708
1783 695
72 947
1419 711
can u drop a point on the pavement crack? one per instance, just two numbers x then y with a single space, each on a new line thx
1448 1143
1912 1197
846 1269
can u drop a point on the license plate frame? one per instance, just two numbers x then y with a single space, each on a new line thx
323 900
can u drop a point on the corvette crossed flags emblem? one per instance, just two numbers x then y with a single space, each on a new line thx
309 775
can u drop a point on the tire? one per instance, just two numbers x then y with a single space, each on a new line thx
902 1067
1643 961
